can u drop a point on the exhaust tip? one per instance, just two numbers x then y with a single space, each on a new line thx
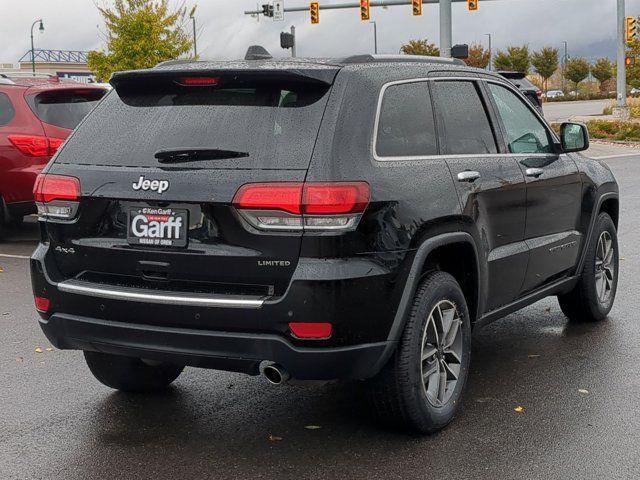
275 374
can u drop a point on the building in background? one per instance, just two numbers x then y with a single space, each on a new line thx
70 64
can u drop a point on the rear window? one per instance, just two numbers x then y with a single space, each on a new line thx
6 109
64 108
235 124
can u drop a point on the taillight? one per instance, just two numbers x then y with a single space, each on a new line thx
36 145
57 196
335 206
539 93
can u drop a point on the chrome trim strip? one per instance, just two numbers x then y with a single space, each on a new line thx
123 293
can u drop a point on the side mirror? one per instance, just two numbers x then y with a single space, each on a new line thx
574 137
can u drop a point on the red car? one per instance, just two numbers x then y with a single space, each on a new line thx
37 114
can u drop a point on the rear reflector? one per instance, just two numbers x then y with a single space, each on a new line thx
57 196
335 206
42 304
311 330
36 145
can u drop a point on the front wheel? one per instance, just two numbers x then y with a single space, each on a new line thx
130 374
421 386
592 298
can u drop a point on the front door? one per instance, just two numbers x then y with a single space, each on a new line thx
553 190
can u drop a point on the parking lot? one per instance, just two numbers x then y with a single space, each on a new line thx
579 387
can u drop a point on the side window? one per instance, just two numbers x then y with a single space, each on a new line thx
6 109
406 127
462 119
525 132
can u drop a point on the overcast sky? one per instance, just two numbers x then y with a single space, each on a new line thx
225 32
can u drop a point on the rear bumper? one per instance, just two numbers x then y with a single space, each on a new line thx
355 296
218 350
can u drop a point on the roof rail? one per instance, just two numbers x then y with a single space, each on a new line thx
20 73
368 58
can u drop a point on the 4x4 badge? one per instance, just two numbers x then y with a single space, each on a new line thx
159 186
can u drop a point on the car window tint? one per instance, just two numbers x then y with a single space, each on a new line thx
462 119
525 132
406 127
6 109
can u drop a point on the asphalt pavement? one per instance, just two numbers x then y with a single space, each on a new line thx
579 386
563 111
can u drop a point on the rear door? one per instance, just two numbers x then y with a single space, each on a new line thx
490 186
158 152
554 189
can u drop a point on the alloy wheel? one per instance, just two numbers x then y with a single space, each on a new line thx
605 267
441 355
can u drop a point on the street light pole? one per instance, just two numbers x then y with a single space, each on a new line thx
490 67
621 69
565 59
293 48
445 28
375 36
195 45
33 52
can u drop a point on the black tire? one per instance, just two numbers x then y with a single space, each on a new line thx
130 374
586 303
398 394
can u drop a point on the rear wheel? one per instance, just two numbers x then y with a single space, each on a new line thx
421 386
592 298
130 374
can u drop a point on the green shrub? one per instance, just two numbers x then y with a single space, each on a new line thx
621 131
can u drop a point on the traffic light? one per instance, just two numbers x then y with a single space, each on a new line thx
630 29
314 11
472 5
630 61
417 7
365 10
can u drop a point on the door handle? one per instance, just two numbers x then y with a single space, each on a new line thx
533 172
468 176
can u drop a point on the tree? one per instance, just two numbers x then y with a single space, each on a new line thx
478 56
577 70
515 59
420 47
545 62
140 34
602 70
633 71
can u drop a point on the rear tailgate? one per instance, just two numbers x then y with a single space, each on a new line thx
163 148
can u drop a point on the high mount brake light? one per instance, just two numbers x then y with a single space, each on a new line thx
57 196
295 206
198 81
36 145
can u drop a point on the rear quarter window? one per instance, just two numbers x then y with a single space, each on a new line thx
7 112
64 108
405 124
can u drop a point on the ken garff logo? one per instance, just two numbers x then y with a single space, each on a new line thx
159 186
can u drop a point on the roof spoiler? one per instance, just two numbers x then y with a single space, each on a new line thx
368 58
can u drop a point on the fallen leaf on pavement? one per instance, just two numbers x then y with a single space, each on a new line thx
583 391
533 355
19 359
273 438
1 269
38 350
49 349
519 409
313 427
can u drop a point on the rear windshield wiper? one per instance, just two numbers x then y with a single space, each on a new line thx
196 154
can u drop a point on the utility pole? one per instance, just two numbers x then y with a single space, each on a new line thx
445 28
195 45
293 47
621 110
565 59
490 66
375 36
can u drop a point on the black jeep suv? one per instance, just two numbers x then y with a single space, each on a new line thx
316 219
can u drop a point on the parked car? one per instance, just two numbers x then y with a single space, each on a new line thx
554 94
37 114
316 219
635 92
520 80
